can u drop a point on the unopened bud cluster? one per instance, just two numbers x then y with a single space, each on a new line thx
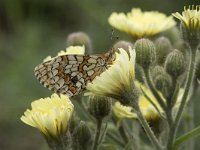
165 64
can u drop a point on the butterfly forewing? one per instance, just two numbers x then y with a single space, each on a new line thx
69 74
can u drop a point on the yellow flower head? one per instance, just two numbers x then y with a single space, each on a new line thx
117 78
121 111
141 24
148 110
190 17
146 107
50 115
69 50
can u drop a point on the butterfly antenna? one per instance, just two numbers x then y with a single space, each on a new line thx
113 37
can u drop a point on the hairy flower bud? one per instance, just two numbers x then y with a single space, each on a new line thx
163 48
99 106
157 70
145 52
82 137
163 83
123 44
79 39
175 63
162 80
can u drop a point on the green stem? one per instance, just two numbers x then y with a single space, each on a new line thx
146 127
152 103
170 121
188 84
97 134
122 131
170 104
153 89
175 94
115 139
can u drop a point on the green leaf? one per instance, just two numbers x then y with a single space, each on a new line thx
109 147
191 134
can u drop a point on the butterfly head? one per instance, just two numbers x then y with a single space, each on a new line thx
111 56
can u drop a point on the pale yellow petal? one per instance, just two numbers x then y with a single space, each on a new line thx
50 115
140 24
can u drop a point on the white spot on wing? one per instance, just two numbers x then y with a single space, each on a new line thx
90 72
74 74
72 62
78 84
68 66
61 82
74 69
71 57
92 60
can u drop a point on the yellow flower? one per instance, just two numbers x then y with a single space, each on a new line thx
50 115
141 24
147 109
69 50
121 111
117 78
190 17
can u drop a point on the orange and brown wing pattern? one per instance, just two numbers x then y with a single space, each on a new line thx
69 74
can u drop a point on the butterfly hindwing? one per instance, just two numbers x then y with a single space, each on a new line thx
69 74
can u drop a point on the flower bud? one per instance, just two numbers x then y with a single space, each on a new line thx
162 80
175 63
79 39
99 106
163 48
156 71
123 44
82 137
163 83
145 52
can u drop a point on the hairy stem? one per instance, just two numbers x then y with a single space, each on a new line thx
153 89
170 104
147 128
188 84
122 131
115 139
97 134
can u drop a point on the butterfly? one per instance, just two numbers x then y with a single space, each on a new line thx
69 74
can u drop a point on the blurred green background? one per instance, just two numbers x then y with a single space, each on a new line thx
30 30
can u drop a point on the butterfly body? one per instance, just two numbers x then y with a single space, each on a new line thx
69 74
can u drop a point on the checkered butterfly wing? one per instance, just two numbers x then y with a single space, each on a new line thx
69 74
